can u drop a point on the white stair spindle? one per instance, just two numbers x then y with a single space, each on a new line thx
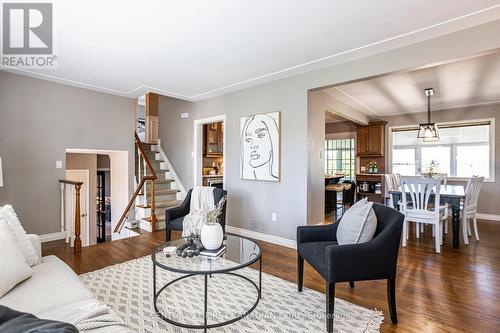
63 220
139 165
72 219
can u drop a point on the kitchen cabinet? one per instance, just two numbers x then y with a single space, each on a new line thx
371 139
213 139
375 187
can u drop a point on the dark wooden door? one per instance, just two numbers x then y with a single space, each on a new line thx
101 207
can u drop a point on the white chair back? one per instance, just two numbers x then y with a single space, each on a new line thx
472 192
396 179
441 176
419 190
389 184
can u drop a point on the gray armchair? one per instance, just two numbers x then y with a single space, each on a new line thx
175 216
372 260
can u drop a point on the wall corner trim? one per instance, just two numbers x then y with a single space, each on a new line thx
51 237
290 243
490 217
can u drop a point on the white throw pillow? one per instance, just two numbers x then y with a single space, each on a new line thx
358 224
13 267
23 240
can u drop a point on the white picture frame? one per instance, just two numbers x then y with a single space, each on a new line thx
260 147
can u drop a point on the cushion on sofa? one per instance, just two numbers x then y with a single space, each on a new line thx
53 284
358 224
13 267
22 238
12 321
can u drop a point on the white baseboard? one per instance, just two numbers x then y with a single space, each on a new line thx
490 217
51 237
263 237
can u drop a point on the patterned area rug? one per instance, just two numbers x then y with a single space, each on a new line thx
128 289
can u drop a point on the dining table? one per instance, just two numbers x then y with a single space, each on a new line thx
450 194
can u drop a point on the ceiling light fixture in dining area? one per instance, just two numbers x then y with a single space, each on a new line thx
428 131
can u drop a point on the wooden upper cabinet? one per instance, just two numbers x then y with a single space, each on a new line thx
213 137
362 140
371 139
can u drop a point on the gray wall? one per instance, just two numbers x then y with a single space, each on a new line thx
490 192
38 121
303 131
87 162
251 203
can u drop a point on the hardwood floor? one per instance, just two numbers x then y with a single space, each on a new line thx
455 291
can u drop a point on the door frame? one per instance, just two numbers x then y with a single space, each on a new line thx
84 193
198 148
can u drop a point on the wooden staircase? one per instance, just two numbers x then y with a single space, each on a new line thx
155 192
166 191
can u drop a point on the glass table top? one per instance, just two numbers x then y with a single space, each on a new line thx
240 252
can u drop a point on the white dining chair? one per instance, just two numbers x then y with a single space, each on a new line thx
469 207
390 185
420 209
442 176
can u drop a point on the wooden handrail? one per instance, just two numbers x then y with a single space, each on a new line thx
70 182
77 246
152 177
138 144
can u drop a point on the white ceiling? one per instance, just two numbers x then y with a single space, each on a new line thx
198 49
474 81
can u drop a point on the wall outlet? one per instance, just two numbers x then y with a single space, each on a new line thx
274 217
58 164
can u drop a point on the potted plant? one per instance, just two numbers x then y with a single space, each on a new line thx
432 169
212 234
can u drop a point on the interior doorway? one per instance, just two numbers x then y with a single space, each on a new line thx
147 117
209 151
116 186
79 175
340 165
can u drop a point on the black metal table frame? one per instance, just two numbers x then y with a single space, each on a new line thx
230 271
454 201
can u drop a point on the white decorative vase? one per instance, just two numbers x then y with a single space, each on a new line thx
212 236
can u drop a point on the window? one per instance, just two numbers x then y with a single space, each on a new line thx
340 157
403 161
463 150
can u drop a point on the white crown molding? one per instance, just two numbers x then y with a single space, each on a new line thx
432 31
263 237
352 98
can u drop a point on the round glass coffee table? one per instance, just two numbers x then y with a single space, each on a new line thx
240 252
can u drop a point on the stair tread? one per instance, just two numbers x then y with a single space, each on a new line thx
161 192
164 181
159 218
163 204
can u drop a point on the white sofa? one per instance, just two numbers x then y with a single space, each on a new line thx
53 292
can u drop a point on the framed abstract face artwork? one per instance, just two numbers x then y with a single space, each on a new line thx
260 140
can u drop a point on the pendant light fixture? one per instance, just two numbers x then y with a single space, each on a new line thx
429 130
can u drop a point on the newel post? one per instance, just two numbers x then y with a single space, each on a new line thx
78 241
